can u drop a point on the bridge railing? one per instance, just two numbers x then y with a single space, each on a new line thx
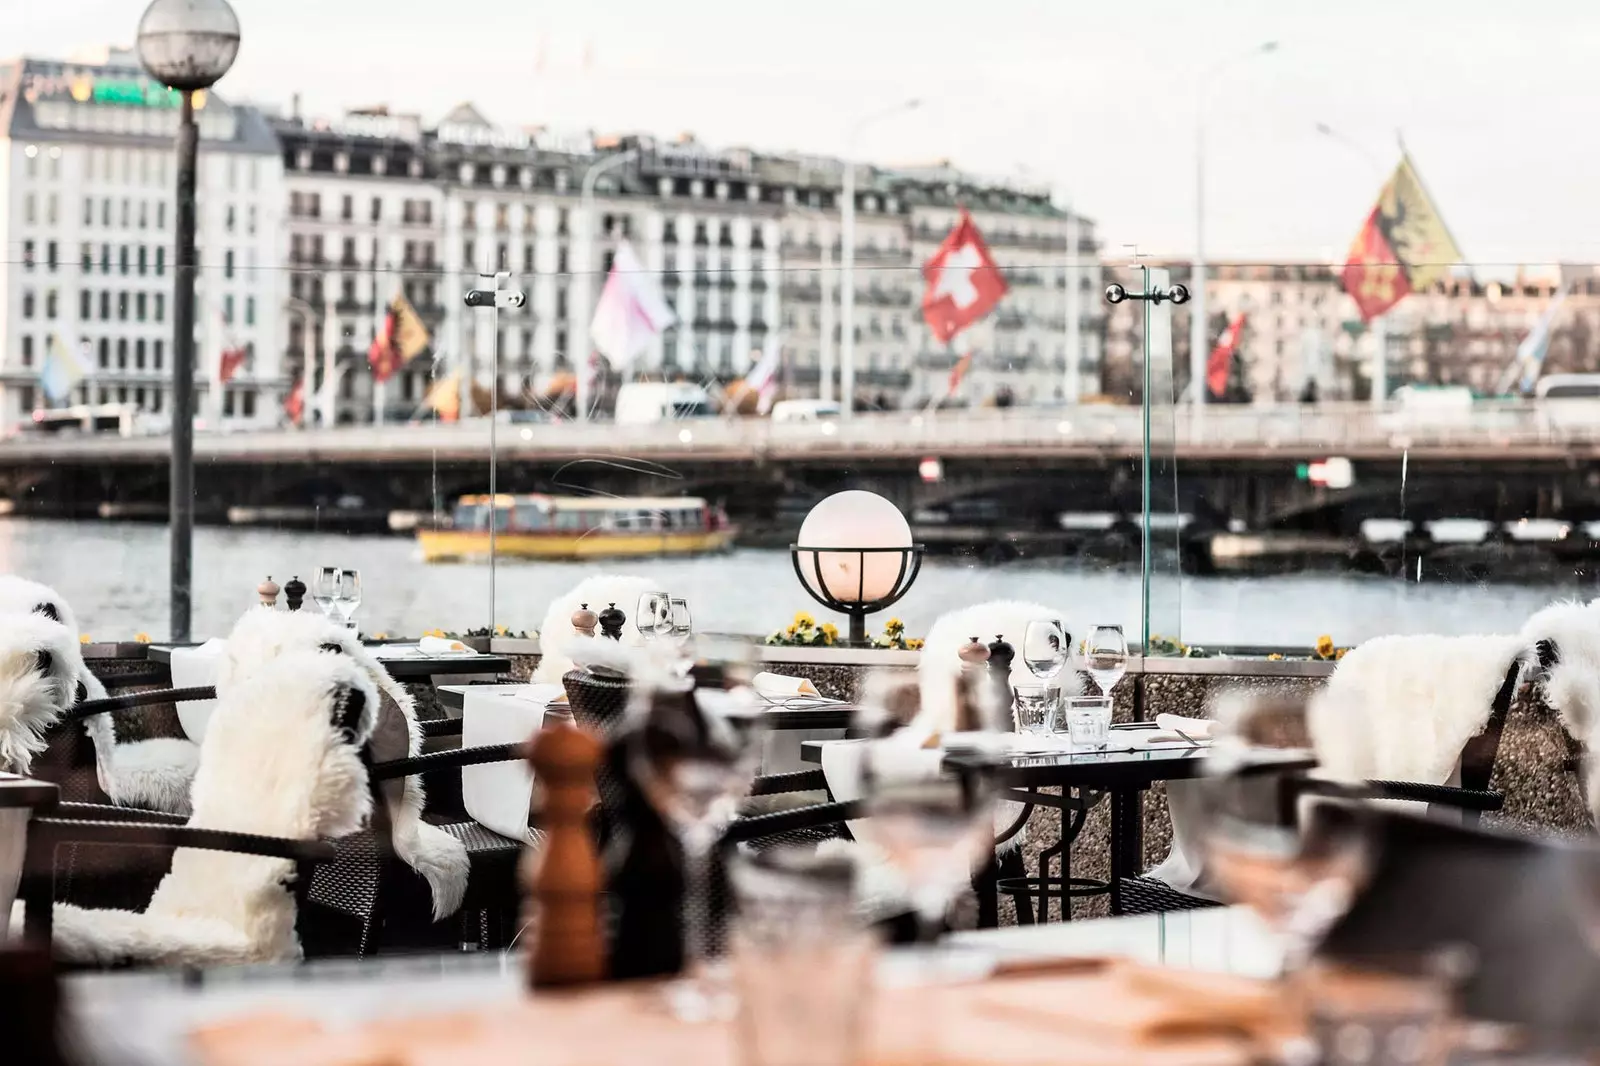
1217 429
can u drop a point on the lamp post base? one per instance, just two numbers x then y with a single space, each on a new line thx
858 629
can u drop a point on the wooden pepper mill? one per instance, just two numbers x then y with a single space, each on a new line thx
969 702
562 883
584 621
268 591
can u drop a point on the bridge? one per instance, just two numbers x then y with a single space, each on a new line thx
1493 432
1013 471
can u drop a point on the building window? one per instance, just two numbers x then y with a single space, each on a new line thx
468 255
27 303
139 306
377 212
105 213
250 218
86 256
161 261
27 255
105 259
561 260
122 307
50 304
27 350
227 397
51 255
155 361
105 306
161 307
122 353
247 404
161 214
527 259
105 353
122 259
227 264
138 355
347 208
249 310
85 304
227 309
469 214
88 211
142 251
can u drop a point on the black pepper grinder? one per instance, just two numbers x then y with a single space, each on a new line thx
611 622
1001 655
294 593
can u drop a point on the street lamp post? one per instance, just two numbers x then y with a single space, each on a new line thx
847 272
1199 349
586 200
186 45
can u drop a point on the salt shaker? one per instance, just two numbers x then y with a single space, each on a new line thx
268 591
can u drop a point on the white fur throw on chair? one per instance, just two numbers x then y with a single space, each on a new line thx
257 643
275 762
153 774
556 635
37 682
1568 636
1401 708
939 665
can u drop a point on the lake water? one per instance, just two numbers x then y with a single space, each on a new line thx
115 576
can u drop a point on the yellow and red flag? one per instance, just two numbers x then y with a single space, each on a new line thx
1403 246
444 397
400 339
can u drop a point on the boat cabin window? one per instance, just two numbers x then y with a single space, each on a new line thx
530 516
502 519
570 520
473 516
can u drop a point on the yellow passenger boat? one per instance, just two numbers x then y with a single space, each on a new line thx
578 527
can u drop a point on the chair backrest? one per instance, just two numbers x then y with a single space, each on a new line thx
283 757
1479 755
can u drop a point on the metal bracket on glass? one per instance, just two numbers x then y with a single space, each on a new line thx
1178 294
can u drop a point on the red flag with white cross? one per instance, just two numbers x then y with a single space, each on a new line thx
963 282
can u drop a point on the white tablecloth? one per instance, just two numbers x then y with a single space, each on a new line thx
197 668
497 795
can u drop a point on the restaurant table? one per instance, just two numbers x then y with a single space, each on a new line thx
403 661
827 716
142 1019
1123 776
20 797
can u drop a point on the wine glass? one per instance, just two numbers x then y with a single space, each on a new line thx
325 589
1297 862
694 751
654 616
682 624
349 595
1044 653
1108 657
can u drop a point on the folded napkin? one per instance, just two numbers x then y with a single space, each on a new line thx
197 668
900 755
442 646
1198 728
782 686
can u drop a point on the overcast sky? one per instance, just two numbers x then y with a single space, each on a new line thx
1497 101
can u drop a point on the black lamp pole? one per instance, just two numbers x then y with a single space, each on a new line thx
182 473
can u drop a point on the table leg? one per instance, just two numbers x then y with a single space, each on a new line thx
1127 840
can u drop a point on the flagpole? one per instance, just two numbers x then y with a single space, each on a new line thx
1380 360
380 391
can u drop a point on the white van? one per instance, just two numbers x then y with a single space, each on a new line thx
642 403
804 410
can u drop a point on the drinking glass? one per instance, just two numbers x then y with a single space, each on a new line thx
1108 657
325 589
694 752
802 963
682 624
1298 862
349 595
654 617
1088 720
1045 651
1036 710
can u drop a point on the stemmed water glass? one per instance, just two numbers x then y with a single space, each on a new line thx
1108 657
694 751
1044 653
325 589
682 624
349 595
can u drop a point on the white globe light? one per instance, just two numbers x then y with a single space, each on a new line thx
853 519
188 44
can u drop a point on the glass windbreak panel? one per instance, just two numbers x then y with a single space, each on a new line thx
1163 519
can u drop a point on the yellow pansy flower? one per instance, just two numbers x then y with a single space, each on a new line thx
1325 647
141 638
84 638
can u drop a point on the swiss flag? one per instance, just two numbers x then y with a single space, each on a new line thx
295 405
963 282
383 356
232 360
1220 364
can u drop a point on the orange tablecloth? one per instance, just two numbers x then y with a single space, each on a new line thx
1112 1014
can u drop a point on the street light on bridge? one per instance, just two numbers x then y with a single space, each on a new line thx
186 45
